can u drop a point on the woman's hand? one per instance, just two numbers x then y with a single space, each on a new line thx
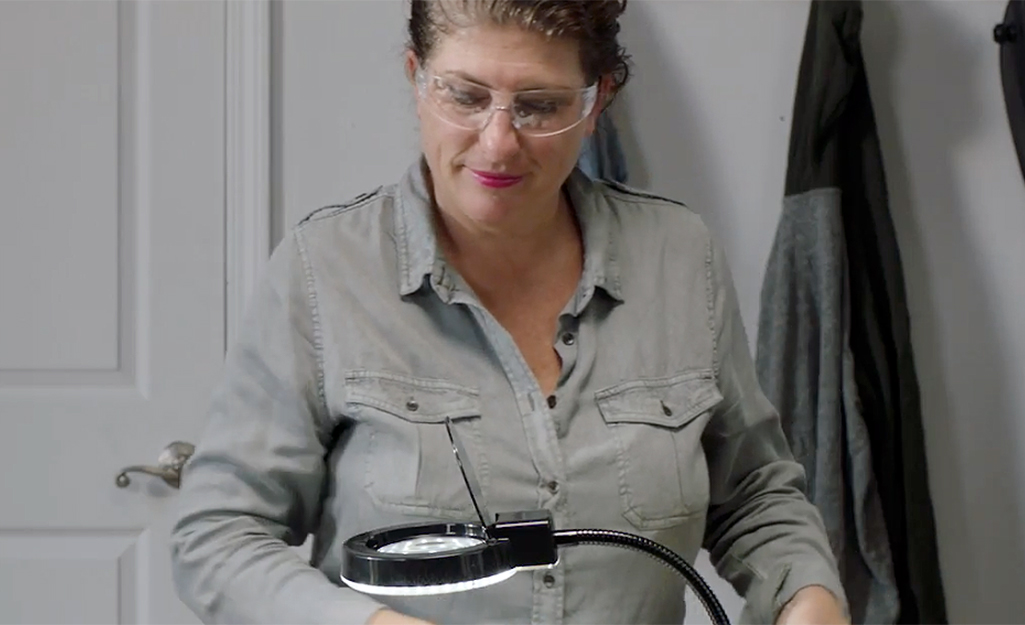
812 605
384 616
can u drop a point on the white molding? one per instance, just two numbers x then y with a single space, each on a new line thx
247 152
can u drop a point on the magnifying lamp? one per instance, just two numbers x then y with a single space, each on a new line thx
438 558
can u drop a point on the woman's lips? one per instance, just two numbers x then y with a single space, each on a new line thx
494 180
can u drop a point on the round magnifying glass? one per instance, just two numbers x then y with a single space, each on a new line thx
425 559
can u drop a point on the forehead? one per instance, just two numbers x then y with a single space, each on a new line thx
508 57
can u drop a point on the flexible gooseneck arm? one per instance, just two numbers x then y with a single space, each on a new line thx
650 547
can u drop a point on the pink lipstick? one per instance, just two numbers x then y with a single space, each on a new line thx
494 180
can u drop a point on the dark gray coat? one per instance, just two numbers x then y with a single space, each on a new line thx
834 349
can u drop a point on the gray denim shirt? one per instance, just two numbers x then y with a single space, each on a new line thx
360 340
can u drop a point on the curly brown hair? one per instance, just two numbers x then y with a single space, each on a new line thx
592 23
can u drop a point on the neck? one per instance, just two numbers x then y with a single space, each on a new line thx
514 254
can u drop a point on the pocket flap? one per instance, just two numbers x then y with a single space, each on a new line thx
668 402
421 400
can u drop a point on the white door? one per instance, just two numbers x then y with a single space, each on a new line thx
112 293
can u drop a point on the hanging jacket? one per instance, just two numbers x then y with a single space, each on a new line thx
834 351
1010 34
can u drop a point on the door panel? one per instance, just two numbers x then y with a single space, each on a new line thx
111 293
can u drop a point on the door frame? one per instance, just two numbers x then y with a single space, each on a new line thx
248 67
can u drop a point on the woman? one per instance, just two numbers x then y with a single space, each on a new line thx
585 338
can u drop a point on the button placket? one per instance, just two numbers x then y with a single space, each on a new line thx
565 342
548 457
549 599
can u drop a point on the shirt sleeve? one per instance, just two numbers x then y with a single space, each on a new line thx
252 490
763 535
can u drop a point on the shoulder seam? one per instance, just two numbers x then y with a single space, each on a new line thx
710 293
636 193
325 212
315 321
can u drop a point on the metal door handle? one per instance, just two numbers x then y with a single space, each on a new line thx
169 465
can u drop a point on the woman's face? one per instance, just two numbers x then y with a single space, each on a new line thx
499 177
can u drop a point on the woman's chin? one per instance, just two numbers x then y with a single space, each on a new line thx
488 213
490 206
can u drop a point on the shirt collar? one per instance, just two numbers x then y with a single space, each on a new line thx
414 231
601 238
419 255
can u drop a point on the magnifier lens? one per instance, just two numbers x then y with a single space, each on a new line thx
431 545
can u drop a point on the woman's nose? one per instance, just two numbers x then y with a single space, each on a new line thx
499 137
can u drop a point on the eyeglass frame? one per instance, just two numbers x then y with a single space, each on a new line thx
590 94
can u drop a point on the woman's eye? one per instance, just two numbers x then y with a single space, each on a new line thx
466 98
538 107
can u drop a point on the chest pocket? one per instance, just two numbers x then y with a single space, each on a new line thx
409 464
657 426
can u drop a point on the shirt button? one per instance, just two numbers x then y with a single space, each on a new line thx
568 338
549 580
552 401
412 405
552 486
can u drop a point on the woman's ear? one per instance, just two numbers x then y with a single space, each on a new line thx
601 101
411 65
605 90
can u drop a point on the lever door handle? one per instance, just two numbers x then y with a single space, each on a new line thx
168 468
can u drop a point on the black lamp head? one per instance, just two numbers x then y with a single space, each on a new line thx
436 558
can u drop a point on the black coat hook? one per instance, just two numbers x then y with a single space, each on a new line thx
1005 33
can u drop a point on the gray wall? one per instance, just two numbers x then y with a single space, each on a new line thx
706 121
